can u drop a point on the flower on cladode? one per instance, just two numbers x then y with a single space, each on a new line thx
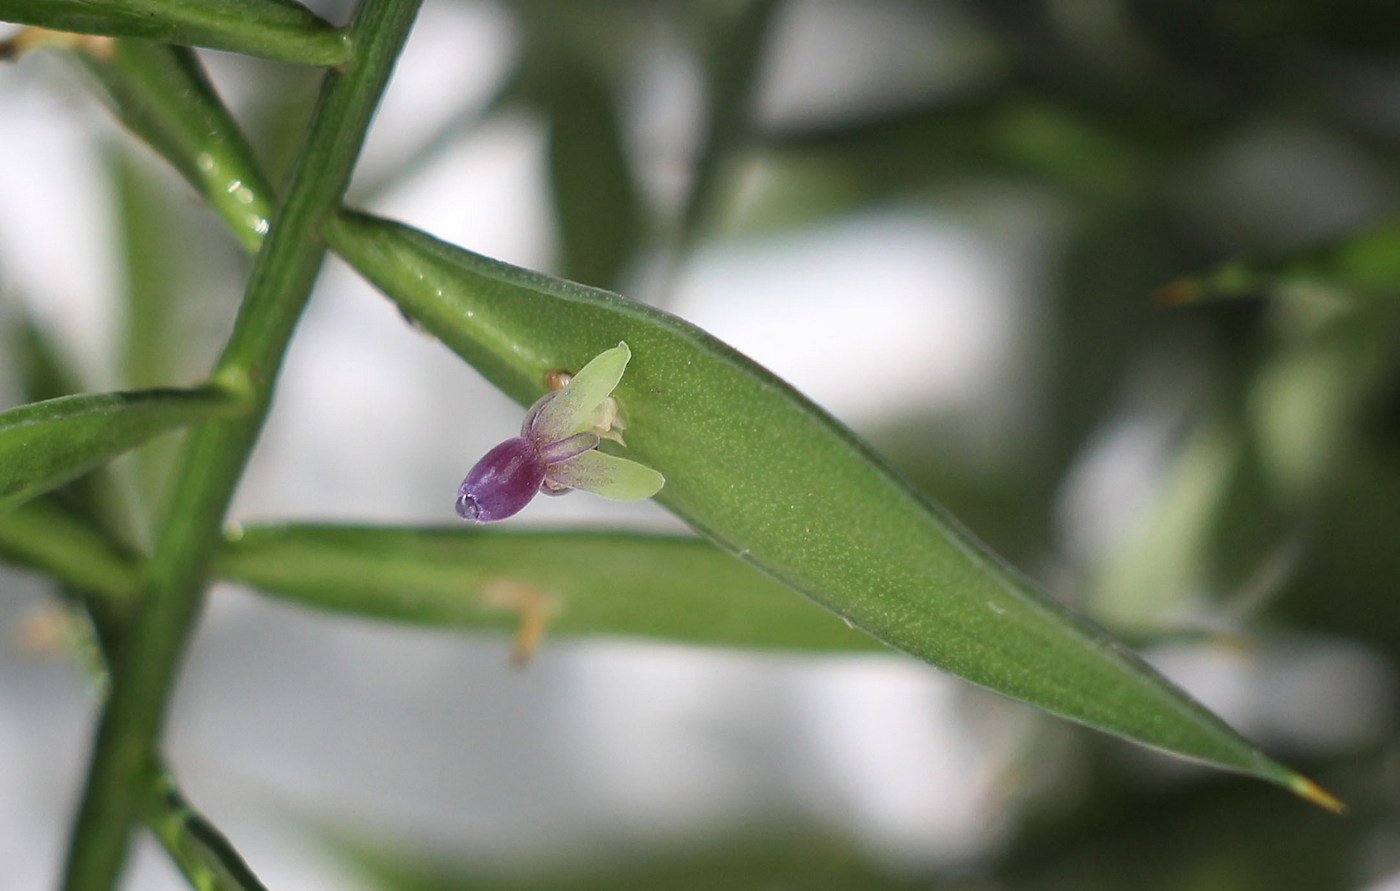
556 449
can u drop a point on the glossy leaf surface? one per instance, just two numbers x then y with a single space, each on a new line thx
772 478
161 93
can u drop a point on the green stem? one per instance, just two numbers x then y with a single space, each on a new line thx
215 453
205 856
271 29
208 860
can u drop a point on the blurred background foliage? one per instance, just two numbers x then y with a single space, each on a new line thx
1213 187
1210 192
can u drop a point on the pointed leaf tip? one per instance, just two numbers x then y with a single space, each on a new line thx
1310 791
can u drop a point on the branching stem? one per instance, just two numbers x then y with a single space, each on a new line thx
215 453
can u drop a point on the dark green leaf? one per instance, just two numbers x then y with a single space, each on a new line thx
772 478
45 444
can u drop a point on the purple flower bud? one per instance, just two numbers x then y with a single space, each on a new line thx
501 483
556 449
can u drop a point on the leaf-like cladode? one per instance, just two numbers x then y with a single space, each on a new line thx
604 583
769 476
162 94
45 444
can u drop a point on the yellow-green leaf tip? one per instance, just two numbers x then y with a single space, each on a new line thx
1307 789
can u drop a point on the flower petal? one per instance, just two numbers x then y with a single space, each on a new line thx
501 483
606 475
529 423
573 407
568 447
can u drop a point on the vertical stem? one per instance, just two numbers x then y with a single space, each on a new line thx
214 454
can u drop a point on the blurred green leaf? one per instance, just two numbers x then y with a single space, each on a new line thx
154 341
772 478
1307 395
149 249
45 444
1345 582
1242 496
595 199
1364 264
45 535
1151 581
1215 836
163 96
762 859
733 62
683 589
1101 323
272 29
43 370
1012 131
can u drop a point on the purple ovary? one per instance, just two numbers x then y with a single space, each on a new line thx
501 483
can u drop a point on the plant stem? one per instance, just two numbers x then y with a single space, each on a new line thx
215 453
198 848
271 29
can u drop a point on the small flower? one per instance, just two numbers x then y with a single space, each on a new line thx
556 449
